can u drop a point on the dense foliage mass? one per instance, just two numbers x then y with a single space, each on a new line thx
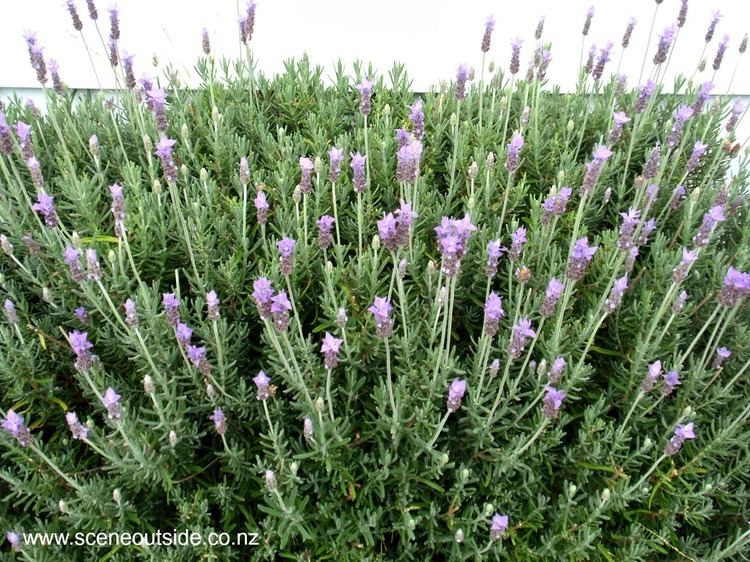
493 321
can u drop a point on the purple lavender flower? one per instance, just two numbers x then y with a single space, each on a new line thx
699 149
594 168
6 137
244 171
681 434
712 26
628 32
681 271
36 173
521 333
679 302
184 334
714 216
13 424
77 429
552 295
679 117
164 152
286 250
307 429
262 294
220 421
651 167
736 287
206 42
10 311
493 312
604 58
36 57
280 307
704 94
270 478
72 260
335 157
722 354
644 95
553 401
615 297
381 309
14 540
325 227
111 401
131 314
494 252
114 23
262 381
630 222
677 196
172 305
23 131
212 302
408 156
456 393
579 259
45 206
306 167
462 74
514 150
330 350
93 14
665 42
499 527
515 53
54 71
118 209
588 68
403 137
73 10
453 238
682 15
157 103
489 26
262 207
247 24
358 163
416 116
671 381
720 52
737 109
555 204
558 366
127 63
652 376
93 264
648 227
743 45
519 239
619 120
197 356
365 96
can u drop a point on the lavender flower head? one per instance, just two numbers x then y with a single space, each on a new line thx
365 96
553 401
456 393
704 94
381 309
325 228
111 401
712 26
679 117
45 206
594 168
682 433
615 296
335 157
671 382
205 42
118 209
212 302
652 376
499 527
604 57
630 222
77 429
665 42
514 150
453 238
36 172
247 24
699 149
688 259
76 19
93 264
462 75
220 421
515 53
330 350
552 295
408 156
494 252
10 312
197 357
6 137
81 346
72 257
358 163
493 312
628 32
619 119
164 149
54 70
131 313
556 371
555 204
644 95
736 287
13 424
682 15
307 429
114 23
286 250
720 52
262 294
518 240
270 478
521 333
184 334
280 307
261 207
714 216
172 306
489 26
262 381
579 259
737 110
157 103
722 354
306 167
394 229
679 302
416 116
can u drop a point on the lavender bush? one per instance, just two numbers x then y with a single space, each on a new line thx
491 321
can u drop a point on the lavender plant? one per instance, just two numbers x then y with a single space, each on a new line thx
490 321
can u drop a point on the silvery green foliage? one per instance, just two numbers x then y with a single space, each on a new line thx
368 328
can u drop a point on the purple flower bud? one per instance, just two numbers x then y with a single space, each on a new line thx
736 287
654 372
365 96
280 307
628 32
325 227
45 206
206 42
262 294
644 95
681 271
615 297
381 309
416 116
671 381
335 157
714 216
665 42
453 238
247 24
184 334
114 23
555 204
699 149
111 401
679 117
630 222
131 314
330 350
704 95
579 259
521 333
408 156
682 15
494 252
54 70
118 209
197 357
262 381
286 251
456 393
677 196
558 366
306 167
737 109
164 152
307 429
519 239
172 306
651 167
489 26
270 480
594 168
36 173
514 150
358 163
262 207
499 526
10 311
462 74
220 421
77 23
648 227
604 58
341 318
493 312
721 354
72 260
712 26
619 119
679 302
77 429
13 424
93 264
681 434
552 295
515 53
553 401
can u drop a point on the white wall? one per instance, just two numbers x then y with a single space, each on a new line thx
430 37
